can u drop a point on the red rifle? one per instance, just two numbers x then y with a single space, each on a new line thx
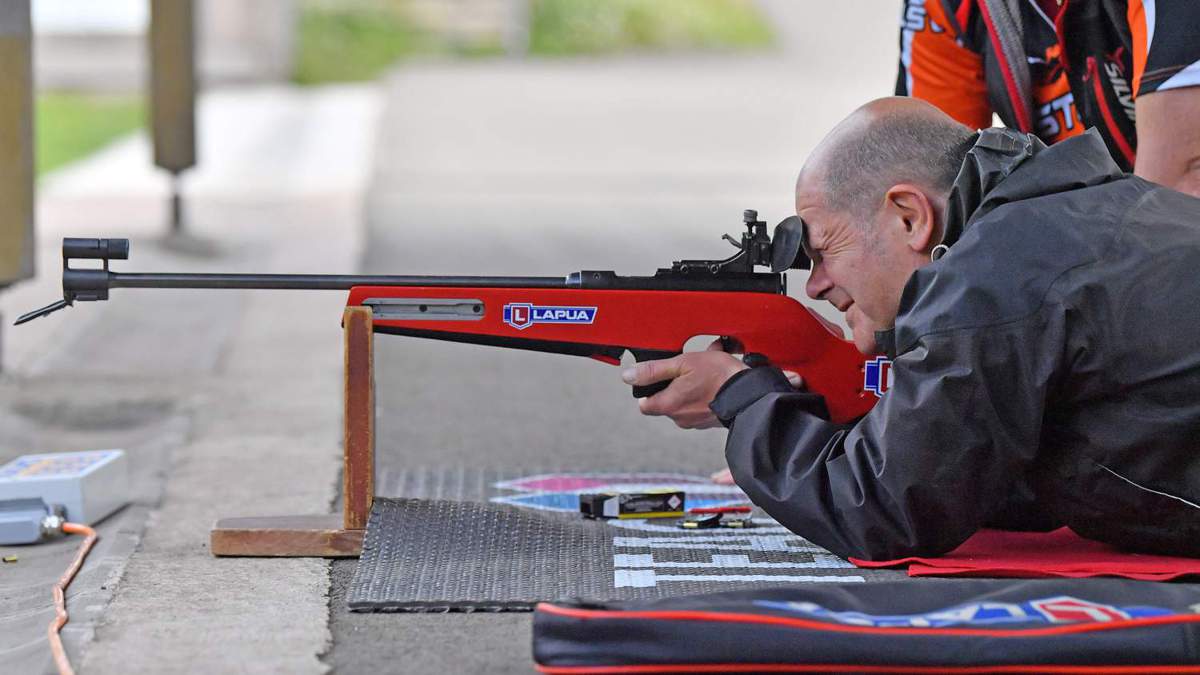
597 314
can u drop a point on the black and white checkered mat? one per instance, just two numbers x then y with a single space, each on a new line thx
468 540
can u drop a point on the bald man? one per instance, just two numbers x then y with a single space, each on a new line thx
1040 308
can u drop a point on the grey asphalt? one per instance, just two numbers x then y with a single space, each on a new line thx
549 167
229 403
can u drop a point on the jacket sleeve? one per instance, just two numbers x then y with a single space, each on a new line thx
936 67
918 474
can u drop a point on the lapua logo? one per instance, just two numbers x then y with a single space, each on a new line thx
522 315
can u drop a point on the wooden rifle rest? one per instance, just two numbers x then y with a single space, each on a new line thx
325 536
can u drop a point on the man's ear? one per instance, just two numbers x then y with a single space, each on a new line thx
909 205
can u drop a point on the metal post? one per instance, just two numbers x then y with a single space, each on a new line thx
173 93
16 144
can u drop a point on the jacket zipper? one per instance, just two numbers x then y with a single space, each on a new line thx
1093 74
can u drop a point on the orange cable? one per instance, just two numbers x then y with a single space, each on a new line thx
60 602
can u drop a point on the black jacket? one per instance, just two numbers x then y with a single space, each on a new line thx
1050 356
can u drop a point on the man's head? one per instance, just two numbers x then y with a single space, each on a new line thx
873 195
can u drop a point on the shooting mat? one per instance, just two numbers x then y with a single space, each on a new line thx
474 540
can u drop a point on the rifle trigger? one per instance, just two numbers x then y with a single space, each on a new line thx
646 391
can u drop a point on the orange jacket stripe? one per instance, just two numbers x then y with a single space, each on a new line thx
947 74
1139 31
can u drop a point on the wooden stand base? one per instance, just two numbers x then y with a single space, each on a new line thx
324 536
286 536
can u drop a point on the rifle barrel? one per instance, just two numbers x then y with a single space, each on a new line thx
319 281
84 280
91 283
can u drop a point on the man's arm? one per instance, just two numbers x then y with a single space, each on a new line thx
1166 84
918 474
1168 127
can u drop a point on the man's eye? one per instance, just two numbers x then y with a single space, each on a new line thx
814 254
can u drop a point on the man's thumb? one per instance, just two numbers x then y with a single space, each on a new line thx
649 372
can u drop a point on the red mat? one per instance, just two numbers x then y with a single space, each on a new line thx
1029 555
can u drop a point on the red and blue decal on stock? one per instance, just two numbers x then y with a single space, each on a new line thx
522 315
1052 610
877 375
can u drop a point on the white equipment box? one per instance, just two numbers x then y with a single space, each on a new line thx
89 485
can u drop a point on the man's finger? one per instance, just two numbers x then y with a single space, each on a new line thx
649 372
696 420
794 379
658 404
722 477
645 407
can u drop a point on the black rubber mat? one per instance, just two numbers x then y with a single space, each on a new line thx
489 541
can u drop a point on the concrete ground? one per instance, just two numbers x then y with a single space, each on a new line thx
229 402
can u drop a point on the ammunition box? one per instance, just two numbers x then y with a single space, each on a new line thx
653 504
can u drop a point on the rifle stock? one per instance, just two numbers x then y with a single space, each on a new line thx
604 324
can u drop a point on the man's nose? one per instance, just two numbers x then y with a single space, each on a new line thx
818 283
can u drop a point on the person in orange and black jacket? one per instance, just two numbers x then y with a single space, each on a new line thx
1129 68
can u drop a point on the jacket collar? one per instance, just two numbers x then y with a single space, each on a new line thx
885 342
998 170
1001 168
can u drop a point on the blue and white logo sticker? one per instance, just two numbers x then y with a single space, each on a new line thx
522 315
877 378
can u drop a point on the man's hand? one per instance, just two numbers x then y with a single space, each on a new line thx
697 377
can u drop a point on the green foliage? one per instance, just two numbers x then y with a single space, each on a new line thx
71 126
562 27
353 42
356 40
